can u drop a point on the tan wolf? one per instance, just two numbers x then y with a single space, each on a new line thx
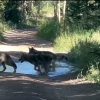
5 59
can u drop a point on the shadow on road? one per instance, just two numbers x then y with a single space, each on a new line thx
22 87
24 37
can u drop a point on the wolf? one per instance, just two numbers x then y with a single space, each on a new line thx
48 53
5 59
55 57
38 60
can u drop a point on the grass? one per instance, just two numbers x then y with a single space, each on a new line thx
82 48
66 41
30 23
4 26
1 36
82 55
47 10
93 74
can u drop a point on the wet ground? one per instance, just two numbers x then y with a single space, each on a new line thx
27 68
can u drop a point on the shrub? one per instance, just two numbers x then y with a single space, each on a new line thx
48 29
66 41
81 47
93 73
83 56
1 36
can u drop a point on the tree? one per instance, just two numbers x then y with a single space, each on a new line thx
82 14
11 12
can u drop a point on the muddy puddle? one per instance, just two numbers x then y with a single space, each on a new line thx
27 68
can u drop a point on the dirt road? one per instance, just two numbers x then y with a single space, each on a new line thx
29 87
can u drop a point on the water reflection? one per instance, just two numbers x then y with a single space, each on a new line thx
27 68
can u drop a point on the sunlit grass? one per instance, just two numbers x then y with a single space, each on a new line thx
93 73
65 42
79 46
1 36
47 10
5 27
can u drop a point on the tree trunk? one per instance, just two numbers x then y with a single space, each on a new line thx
66 21
58 11
64 9
55 9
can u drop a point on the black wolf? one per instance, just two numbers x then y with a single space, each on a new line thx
38 60
55 57
47 53
32 50
5 59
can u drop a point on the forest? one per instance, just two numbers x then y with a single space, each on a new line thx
73 26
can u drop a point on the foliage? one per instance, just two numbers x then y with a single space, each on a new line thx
93 73
12 13
47 10
82 56
66 41
84 14
48 29
1 36
80 45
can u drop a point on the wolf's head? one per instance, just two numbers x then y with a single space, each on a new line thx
32 50
22 57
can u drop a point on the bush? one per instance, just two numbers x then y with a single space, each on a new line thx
1 36
48 29
4 26
12 13
93 73
83 56
81 47
66 41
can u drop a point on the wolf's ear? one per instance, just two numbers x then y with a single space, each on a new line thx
33 48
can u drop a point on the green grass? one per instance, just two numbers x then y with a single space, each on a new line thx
30 23
81 54
4 27
47 10
66 41
79 46
1 36
93 74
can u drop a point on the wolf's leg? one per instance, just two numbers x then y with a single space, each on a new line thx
38 68
41 69
12 64
35 67
53 65
46 67
4 67
14 70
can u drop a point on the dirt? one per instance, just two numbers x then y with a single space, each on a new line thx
29 87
